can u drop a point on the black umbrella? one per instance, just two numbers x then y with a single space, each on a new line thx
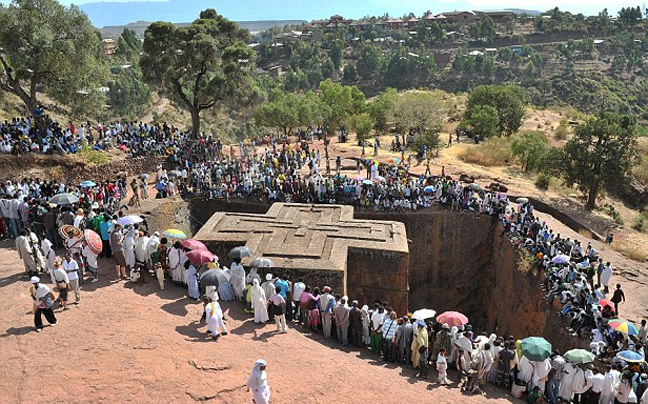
262 263
64 199
240 252
209 278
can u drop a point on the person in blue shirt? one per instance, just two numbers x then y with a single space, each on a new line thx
104 229
284 284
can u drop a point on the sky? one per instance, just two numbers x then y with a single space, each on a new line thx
118 12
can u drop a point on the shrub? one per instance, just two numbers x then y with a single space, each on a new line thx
93 156
542 181
641 222
562 131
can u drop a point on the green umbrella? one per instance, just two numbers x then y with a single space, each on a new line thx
536 348
579 356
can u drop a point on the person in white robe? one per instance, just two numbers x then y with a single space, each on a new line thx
268 286
610 386
175 255
50 257
237 277
565 391
141 248
258 383
464 350
253 275
541 373
525 370
129 248
151 247
259 303
580 383
25 252
192 283
225 289
214 319
184 267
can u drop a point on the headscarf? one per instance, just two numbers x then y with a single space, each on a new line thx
258 375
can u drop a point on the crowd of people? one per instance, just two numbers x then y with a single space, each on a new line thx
573 274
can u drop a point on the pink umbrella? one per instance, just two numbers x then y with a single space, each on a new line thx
200 257
192 244
452 318
604 303
93 240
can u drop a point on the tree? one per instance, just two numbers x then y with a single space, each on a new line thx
484 121
379 107
128 95
487 28
336 53
361 124
506 54
422 110
349 74
280 112
600 154
340 101
530 148
201 65
45 43
630 15
368 61
129 46
509 101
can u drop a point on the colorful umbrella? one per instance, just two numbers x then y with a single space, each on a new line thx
88 184
452 318
536 348
240 252
623 326
174 233
579 356
129 220
93 240
192 244
262 263
604 303
200 257
64 199
393 160
630 356
423 314
66 228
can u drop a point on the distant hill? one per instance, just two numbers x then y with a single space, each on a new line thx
140 26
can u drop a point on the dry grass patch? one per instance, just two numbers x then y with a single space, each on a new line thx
492 152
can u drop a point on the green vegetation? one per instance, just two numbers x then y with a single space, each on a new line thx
509 101
530 148
201 65
46 44
93 156
484 121
600 154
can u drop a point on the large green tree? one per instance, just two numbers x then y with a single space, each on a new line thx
201 65
46 44
422 110
484 121
339 102
509 101
600 154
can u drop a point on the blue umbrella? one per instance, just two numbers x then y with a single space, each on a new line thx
367 182
630 356
429 189
561 259
88 184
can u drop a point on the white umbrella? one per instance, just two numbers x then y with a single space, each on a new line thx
130 219
561 259
522 200
423 314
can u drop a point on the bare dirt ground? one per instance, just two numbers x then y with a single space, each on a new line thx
129 343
